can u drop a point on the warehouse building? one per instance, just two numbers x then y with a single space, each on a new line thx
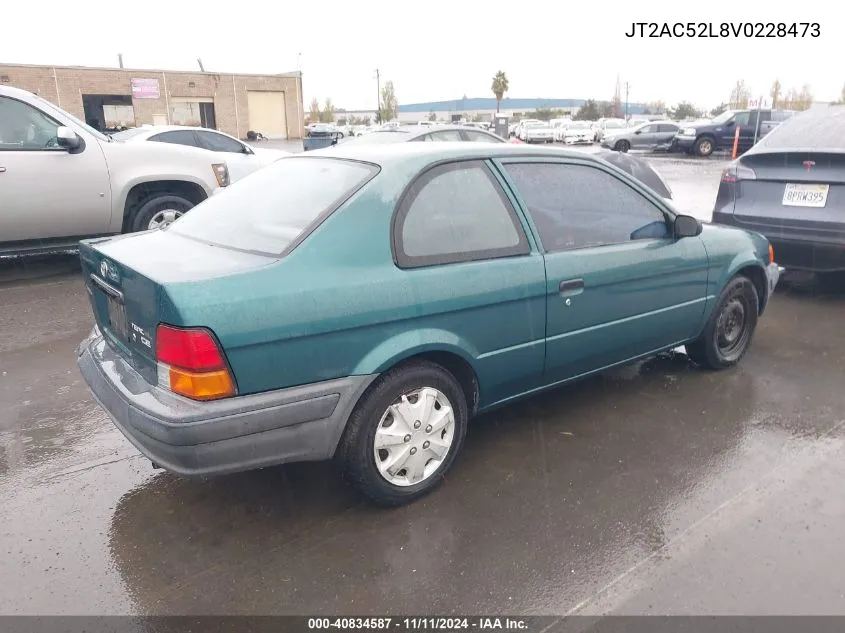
485 107
115 98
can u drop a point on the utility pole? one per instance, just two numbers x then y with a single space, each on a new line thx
627 88
378 97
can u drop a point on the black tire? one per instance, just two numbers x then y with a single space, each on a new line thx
622 146
704 146
356 450
142 216
722 344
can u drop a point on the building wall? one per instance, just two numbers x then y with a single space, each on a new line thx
65 86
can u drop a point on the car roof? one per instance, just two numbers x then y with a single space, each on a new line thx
427 153
818 129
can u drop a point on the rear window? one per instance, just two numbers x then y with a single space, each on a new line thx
819 128
270 209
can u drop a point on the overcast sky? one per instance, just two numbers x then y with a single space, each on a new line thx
436 50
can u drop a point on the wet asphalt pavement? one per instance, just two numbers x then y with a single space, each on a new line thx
656 488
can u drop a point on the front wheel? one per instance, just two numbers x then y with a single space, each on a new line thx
405 433
158 211
727 335
704 146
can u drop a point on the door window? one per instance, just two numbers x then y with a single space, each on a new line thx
177 137
24 128
219 143
576 206
649 129
456 213
668 127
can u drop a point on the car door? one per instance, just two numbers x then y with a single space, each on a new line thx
747 122
240 159
645 137
47 191
478 279
665 135
619 286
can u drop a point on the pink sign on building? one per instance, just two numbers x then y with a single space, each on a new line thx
145 89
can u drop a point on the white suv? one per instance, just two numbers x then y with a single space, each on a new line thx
61 180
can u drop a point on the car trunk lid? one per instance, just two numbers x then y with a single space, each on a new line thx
794 195
128 278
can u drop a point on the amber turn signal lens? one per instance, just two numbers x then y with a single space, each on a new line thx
208 385
771 254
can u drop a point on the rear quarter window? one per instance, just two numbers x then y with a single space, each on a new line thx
275 207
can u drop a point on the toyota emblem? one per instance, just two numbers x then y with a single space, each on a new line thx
104 269
809 163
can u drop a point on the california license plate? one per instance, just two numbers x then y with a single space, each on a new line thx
801 195
117 318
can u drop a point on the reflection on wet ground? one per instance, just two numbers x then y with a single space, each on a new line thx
653 488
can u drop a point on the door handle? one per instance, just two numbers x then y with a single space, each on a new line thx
2 170
571 287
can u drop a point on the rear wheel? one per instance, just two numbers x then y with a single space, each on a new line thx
727 335
405 433
622 146
158 211
704 146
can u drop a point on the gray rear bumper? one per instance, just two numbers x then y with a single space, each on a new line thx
202 438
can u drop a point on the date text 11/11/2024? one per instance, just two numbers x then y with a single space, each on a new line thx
724 29
423 623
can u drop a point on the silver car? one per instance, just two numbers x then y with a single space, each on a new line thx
653 136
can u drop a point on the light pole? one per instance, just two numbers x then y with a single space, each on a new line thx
627 88
378 97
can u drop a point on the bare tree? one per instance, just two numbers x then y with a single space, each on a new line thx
327 114
389 106
740 95
775 93
805 98
314 115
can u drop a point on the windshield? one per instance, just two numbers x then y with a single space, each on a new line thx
726 116
269 209
127 134
538 124
614 124
84 126
578 125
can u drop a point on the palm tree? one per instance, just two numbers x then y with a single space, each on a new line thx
499 87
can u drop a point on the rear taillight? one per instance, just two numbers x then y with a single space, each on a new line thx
191 363
736 172
771 254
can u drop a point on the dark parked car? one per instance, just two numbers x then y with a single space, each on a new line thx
365 302
704 137
422 133
791 188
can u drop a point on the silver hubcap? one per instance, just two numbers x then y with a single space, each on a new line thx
414 436
163 218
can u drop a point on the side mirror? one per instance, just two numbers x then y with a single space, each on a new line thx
687 226
729 123
67 138
638 132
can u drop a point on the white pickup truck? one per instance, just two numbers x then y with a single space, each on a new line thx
61 180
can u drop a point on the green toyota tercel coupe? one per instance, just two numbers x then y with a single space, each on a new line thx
366 302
